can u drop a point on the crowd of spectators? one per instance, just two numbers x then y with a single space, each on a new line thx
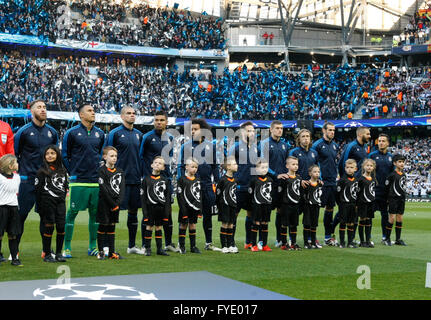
417 152
66 81
401 93
30 17
107 21
417 30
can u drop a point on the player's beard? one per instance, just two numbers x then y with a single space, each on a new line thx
40 118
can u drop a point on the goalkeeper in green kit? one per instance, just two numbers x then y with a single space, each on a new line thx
81 150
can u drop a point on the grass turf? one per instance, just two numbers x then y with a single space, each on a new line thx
329 273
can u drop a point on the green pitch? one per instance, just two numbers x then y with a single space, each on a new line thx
329 273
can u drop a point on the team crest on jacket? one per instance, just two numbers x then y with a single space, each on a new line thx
49 134
97 135
116 182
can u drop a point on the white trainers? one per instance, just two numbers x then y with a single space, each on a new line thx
171 248
135 250
209 246
225 250
260 245
233 249
277 244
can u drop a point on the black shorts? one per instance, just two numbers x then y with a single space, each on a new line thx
311 215
208 200
10 221
261 212
347 213
132 198
226 214
52 211
396 205
156 216
328 196
381 205
366 210
289 215
243 200
188 216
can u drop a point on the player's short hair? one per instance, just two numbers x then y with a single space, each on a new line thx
275 123
158 157
398 157
312 167
33 103
161 113
385 136
107 149
83 105
6 161
123 109
261 161
327 124
350 161
228 160
360 130
191 159
291 158
245 124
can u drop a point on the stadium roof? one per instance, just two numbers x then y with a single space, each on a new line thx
372 14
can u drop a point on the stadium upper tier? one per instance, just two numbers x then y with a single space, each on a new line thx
327 93
113 22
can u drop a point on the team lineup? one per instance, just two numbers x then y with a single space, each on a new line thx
129 170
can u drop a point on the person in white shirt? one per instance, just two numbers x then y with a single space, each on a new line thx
9 218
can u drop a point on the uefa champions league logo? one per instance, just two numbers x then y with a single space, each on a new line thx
78 291
403 123
353 124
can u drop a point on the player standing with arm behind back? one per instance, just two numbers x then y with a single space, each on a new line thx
29 142
327 151
384 167
246 154
276 148
82 153
127 140
153 143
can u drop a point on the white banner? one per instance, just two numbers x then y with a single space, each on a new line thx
103 118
